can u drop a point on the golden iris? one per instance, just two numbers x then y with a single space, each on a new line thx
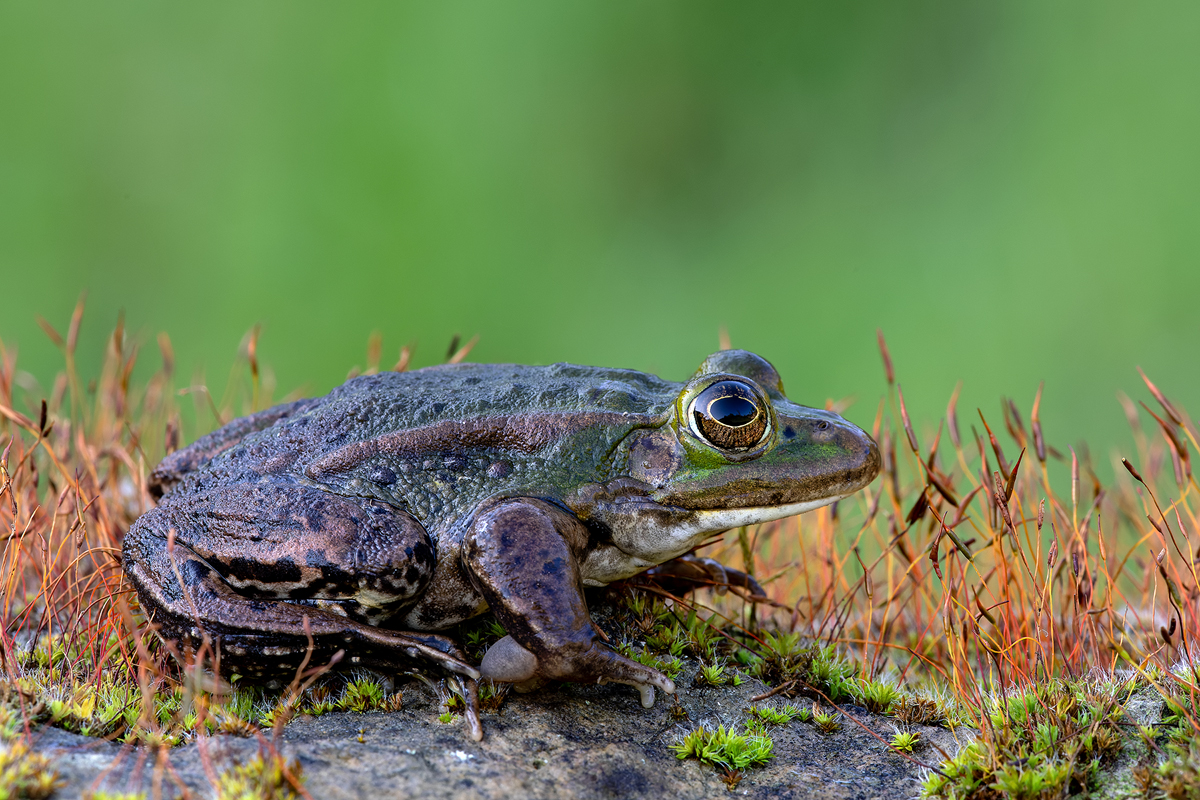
729 414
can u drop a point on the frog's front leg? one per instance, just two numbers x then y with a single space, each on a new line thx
691 572
523 557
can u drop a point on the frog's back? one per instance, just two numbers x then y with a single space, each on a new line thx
389 401
447 410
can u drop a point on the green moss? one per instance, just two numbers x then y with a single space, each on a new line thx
876 696
260 778
724 748
712 675
24 774
780 715
492 695
362 694
905 741
827 722
787 657
670 666
702 636
1044 742
669 639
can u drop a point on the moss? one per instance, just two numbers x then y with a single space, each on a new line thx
787 658
917 711
1171 766
1046 741
904 741
24 774
826 721
669 666
876 696
712 675
362 694
780 715
263 777
492 695
725 748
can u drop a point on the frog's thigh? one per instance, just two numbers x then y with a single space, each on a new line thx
521 554
169 556
298 543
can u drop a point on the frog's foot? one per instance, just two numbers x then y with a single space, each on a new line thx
507 661
442 650
688 573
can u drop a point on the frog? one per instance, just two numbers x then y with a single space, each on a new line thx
362 524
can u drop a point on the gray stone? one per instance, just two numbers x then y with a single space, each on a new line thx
564 741
1117 783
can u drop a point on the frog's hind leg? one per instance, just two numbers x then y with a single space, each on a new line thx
270 573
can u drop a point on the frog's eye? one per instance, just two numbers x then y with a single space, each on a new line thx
730 415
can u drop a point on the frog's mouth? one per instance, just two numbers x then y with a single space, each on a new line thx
718 520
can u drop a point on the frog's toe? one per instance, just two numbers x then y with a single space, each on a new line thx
470 694
646 690
440 650
690 572
462 669
508 662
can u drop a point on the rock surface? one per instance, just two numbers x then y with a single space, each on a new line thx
565 741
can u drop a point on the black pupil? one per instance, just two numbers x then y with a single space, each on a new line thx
733 411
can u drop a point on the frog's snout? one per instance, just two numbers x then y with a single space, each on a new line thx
871 461
861 460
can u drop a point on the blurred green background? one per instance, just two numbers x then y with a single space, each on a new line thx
1010 190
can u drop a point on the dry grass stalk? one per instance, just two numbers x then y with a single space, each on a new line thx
982 580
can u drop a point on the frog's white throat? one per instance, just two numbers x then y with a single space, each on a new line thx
646 542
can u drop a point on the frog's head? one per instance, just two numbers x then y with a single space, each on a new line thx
733 451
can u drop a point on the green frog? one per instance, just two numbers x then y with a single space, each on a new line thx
401 504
